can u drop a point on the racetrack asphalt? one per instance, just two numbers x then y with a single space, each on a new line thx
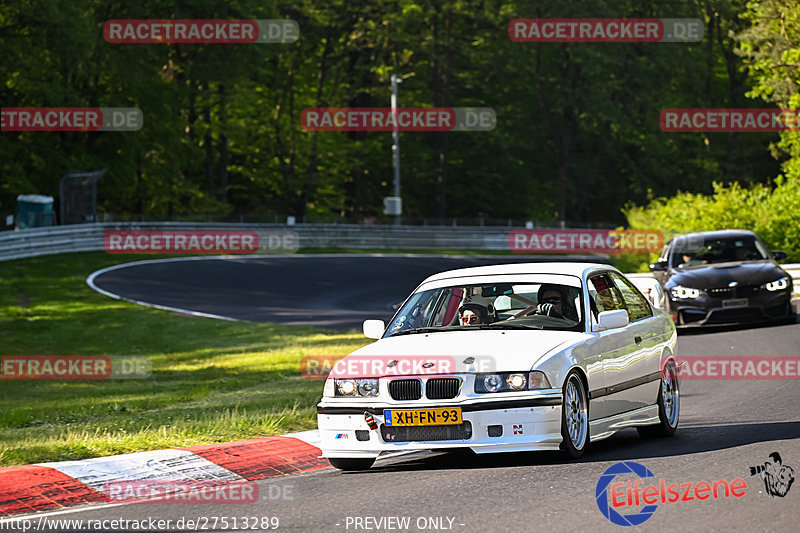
725 428
326 290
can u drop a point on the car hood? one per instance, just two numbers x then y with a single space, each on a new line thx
720 275
496 350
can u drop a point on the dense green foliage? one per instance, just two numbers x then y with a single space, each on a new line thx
771 48
577 123
772 212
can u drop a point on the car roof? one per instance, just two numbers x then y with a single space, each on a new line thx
717 234
566 268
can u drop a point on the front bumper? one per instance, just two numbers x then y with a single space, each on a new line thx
529 423
708 311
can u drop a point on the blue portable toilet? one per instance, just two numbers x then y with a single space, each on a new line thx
34 211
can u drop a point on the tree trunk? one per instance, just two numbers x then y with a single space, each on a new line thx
222 144
208 143
441 75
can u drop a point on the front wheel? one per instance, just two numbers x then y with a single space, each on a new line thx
669 405
574 417
351 465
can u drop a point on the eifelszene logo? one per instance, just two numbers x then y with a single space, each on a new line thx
629 495
778 477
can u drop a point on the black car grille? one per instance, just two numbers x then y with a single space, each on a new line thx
734 292
426 433
721 293
442 388
405 389
744 314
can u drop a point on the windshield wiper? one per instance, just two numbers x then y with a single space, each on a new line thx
505 325
475 327
430 329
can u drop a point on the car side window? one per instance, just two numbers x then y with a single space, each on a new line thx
665 252
637 305
604 294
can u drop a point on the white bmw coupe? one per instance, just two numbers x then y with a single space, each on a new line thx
505 358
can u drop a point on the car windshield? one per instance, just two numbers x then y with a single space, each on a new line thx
530 304
692 251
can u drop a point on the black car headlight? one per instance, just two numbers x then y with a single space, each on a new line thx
684 293
355 388
511 381
778 285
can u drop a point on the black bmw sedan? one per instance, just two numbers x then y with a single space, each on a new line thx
723 277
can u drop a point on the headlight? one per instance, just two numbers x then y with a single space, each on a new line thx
684 293
511 381
367 387
346 387
355 387
778 285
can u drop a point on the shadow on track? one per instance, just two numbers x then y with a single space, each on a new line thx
626 445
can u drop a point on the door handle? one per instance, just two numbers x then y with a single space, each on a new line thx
637 339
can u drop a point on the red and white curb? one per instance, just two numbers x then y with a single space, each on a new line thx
49 486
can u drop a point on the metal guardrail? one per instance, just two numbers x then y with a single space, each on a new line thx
89 237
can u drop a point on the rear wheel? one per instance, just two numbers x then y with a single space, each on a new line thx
574 417
351 465
669 405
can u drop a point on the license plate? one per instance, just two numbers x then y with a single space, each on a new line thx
739 302
422 417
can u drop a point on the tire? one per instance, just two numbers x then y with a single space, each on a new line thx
574 417
351 465
669 405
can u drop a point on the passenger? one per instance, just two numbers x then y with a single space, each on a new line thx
473 313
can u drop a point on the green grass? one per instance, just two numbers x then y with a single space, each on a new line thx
212 380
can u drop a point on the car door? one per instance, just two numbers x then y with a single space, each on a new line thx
611 346
632 377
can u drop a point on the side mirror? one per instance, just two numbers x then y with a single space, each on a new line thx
779 255
611 320
658 266
373 329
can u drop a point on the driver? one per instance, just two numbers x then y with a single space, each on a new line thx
551 301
